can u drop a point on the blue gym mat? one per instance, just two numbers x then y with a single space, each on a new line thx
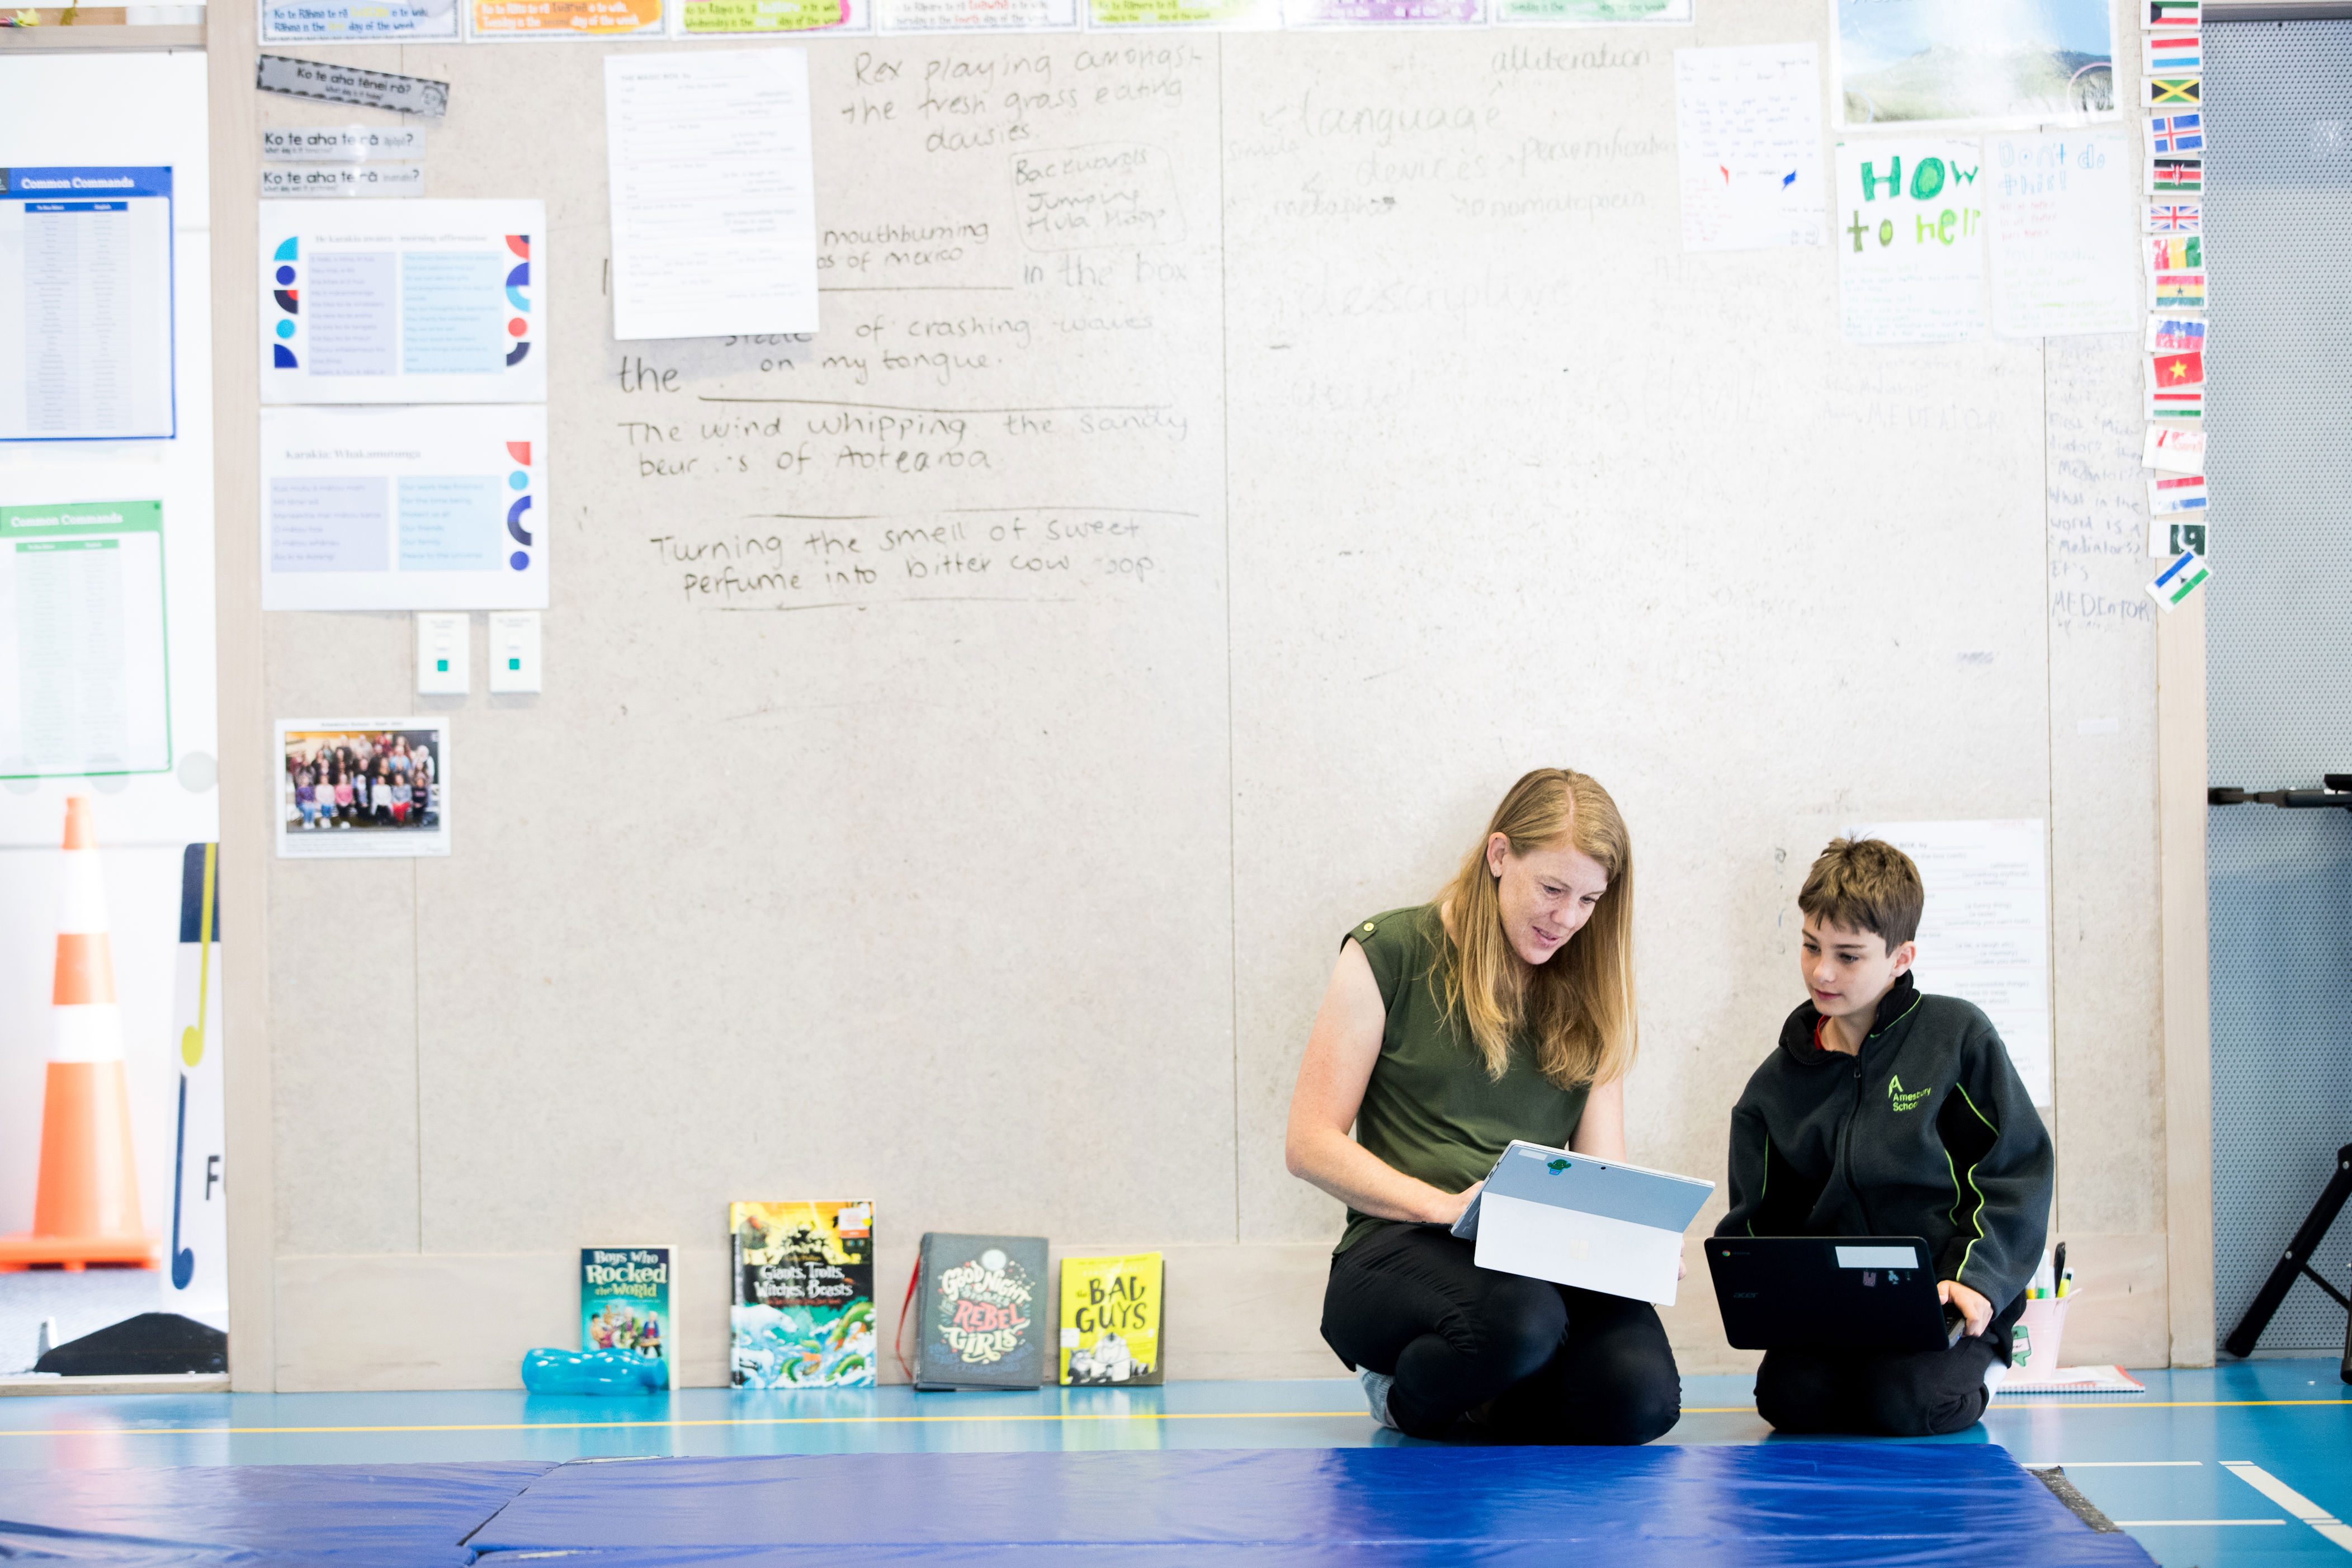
255 1516
1666 1507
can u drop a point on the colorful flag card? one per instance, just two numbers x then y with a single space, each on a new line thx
2174 451
2175 132
2175 334
2176 405
2171 91
2176 175
2168 371
2177 253
2172 15
2168 537
2175 493
2183 578
2172 51
2177 291
2176 217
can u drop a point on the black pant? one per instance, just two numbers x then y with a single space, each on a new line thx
1558 1365
1900 1393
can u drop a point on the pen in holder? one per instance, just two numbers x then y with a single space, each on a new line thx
2039 1334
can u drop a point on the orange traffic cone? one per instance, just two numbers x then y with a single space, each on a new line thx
86 1209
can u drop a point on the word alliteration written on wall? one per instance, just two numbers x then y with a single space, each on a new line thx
1044 309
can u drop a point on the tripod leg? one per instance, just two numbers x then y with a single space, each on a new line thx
2307 1237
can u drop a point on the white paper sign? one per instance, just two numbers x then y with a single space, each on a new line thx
403 302
1909 225
1985 934
2061 205
1748 132
714 224
404 509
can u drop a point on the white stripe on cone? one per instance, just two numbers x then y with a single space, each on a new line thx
90 1032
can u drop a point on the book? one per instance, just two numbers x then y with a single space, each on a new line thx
2073 1380
804 1309
1111 1325
627 1296
976 1300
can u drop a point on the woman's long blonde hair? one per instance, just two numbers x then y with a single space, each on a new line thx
1579 1006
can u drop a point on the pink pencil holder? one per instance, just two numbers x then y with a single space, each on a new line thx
2039 1334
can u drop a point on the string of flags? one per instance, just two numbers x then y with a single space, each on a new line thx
2173 78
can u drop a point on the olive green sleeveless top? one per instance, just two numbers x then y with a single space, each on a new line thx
1430 1110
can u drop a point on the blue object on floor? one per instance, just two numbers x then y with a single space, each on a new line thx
1792 1503
594 1371
255 1516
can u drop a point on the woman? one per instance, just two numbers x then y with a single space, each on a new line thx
1503 1011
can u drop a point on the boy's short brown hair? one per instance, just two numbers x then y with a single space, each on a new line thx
1865 884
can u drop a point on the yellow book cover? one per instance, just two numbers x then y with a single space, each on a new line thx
1111 1320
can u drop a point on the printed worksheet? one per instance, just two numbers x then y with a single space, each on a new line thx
1985 934
403 302
86 304
1748 129
714 219
84 689
404 509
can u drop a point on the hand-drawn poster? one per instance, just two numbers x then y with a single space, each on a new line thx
2014 62
1910 226
2061 205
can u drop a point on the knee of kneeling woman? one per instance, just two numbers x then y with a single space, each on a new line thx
1521 1321
1649 1410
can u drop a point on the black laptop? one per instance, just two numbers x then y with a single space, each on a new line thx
1829 1292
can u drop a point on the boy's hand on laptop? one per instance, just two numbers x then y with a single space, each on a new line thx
1973 1306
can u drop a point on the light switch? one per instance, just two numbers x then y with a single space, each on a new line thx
444 643
514 650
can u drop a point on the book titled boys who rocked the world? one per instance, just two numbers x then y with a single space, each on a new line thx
627 1296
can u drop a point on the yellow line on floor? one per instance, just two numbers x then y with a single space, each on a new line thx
931 1420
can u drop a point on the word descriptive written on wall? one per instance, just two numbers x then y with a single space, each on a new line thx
1019 389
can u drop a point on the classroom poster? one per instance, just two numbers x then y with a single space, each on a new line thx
487 20
2059 205
1984 935
1910 224
88 691
403 302
1593 13
1384 13
87 332
1748 130
354 21
404 509
1916 63
709 18
1225 15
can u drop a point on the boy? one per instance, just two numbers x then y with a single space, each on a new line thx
1888 1112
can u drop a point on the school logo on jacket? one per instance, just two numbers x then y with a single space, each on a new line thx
1902 1101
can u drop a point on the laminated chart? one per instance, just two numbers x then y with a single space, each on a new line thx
86 327
289 21
403 509
403 302
497 19
85 688
707 18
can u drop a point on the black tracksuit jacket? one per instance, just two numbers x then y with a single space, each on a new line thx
1927 1132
